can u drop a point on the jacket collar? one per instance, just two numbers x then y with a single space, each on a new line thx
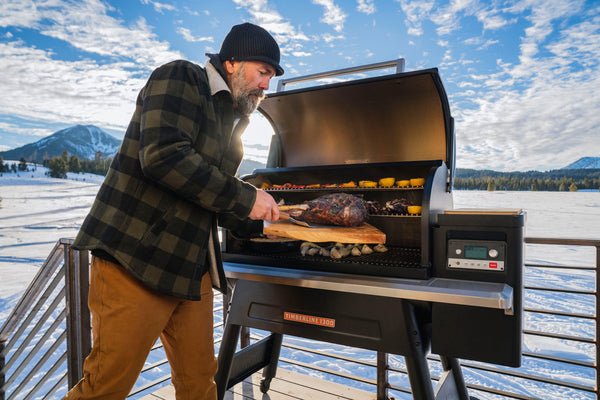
215 79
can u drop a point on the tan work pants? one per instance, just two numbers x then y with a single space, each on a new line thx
127 319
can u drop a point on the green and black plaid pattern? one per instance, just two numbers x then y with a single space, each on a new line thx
173 173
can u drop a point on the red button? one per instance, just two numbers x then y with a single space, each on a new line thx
493 265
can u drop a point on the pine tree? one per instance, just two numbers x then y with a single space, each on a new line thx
22 164
58 167
74 164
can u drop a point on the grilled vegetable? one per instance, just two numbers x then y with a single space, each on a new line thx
366 250
387 182
414 209
417 182
380 248
367 184
350 184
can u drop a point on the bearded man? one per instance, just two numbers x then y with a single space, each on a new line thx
152 229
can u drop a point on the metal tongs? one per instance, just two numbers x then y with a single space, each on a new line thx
283 214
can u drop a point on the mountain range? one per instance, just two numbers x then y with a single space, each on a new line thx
85 141
585 163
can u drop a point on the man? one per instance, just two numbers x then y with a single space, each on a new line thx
152 229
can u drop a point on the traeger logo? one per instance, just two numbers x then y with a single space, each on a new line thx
309 319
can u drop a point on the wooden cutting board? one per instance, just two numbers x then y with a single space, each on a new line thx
365 233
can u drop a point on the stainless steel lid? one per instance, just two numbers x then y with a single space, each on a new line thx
393 118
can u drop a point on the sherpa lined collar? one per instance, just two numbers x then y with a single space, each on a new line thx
215 80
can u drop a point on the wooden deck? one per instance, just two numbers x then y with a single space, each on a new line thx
286 385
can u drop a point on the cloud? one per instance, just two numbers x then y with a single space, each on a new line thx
480 42
72 23
327 37
187 35
287 36
19 13
542 112
271 20
45 89
159 7
416 12
448 18
333 16
531 130
366 6
21 130
491 20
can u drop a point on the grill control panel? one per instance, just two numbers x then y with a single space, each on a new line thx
476 254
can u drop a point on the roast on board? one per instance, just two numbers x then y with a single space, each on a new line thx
339 209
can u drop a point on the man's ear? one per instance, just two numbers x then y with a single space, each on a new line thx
229 67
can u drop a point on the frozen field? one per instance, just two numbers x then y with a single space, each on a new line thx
35 211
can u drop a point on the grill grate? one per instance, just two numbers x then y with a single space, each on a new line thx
401 262
394 257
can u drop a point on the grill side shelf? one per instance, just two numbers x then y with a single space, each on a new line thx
438 290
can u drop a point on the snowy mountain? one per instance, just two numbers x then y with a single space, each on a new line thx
80 140
585 163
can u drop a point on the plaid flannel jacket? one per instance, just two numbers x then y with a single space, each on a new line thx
171 178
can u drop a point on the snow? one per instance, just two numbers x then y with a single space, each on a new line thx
36 211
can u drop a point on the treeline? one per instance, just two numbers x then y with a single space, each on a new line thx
555 180
22 166
58 167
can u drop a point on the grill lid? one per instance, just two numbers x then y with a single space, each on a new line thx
393 118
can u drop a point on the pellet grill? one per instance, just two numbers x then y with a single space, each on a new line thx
451 280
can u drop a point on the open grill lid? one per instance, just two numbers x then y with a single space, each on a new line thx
392 118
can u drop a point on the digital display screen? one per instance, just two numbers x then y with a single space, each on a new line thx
477 252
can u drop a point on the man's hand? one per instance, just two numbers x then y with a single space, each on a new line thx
265 207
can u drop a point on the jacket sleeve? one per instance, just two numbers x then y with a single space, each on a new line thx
244 228
176 105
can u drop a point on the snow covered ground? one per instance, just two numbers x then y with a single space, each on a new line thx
36 211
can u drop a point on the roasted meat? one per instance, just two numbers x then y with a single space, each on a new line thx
392 207
397 206
334 209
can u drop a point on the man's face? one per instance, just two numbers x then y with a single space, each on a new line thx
248 80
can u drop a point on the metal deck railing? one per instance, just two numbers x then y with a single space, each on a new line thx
45 339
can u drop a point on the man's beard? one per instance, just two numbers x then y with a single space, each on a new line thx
245 99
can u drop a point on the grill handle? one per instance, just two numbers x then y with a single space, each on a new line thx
399 64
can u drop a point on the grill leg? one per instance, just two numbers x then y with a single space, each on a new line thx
419 378
271 368
229 341
452 382
416 361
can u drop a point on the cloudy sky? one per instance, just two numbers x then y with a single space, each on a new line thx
522 76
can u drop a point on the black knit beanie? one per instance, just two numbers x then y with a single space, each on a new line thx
249 42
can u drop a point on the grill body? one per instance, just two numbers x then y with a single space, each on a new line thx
450 281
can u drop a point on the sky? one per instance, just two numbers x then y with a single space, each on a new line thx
522 76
